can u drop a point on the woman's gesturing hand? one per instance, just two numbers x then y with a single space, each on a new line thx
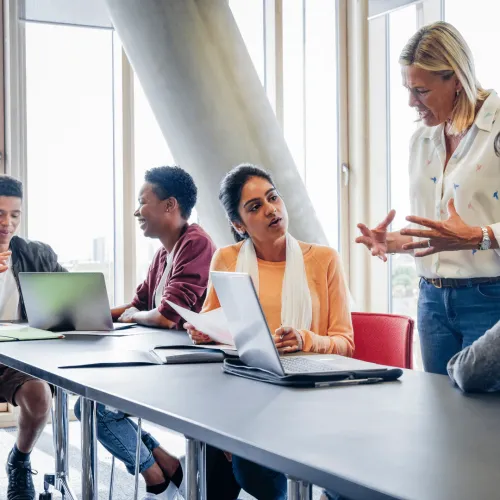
449 235
287 340
376 239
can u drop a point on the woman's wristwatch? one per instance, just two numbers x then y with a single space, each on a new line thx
486 242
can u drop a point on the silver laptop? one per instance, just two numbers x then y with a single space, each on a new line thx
250 330
67 302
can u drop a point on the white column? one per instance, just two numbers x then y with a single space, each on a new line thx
208 101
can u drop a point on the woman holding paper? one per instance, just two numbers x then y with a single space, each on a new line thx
301 288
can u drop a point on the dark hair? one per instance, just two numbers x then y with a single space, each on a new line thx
230 191
176 183
9 186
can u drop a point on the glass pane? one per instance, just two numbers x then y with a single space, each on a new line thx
479 27
69 91
249 17
404 280
293 81
151 150
321 114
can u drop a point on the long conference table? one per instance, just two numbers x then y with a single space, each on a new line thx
418 438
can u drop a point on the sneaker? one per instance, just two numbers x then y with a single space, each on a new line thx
169 494
21 485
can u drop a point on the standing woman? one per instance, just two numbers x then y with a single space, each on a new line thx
454 192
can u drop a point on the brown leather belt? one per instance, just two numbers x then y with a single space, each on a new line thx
459 283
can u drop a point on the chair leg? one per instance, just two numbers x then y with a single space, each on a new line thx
138 457
112 478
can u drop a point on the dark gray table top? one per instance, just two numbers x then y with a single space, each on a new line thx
419 438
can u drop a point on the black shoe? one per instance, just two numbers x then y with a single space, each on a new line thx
21 485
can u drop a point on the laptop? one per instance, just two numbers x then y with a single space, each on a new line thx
250 330
67 302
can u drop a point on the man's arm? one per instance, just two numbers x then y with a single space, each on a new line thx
186 286
152 318
476 368
116 312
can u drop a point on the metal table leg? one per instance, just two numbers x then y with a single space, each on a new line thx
89 450
60 479
298 490
196 476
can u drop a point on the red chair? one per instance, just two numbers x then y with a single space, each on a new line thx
385 339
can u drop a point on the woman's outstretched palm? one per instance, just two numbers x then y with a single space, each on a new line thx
376 239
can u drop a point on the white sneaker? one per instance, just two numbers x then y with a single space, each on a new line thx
152 496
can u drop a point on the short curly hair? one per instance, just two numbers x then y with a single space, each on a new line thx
176 183
10 186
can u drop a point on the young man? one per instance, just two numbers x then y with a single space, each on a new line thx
32 396
179 273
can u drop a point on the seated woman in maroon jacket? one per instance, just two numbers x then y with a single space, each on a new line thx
180 268
179 273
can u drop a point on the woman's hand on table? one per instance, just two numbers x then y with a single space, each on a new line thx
197 337
442 236
287 340
376 239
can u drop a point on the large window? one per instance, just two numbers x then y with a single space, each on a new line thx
151 150
310 102
250 19
479 27
70 183
402 124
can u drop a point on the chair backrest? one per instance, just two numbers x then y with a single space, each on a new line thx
386 339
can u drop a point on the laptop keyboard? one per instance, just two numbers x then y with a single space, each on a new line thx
300 364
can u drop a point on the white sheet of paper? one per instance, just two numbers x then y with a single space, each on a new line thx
212 323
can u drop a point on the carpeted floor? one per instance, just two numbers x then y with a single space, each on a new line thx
43 461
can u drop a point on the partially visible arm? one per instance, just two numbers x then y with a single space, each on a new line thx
395 242
477 367
186 285
339 338
152 318
55 267
116 312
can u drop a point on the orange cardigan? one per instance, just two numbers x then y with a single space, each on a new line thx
331 328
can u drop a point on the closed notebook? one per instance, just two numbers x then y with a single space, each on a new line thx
12 332
160 355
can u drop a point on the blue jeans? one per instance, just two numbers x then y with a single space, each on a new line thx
118 434
450 319
259 481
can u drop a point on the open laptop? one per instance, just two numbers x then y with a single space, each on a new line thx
67 302
250 330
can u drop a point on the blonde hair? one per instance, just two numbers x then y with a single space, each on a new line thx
440 48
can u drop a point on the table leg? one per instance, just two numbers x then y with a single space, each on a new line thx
298 490
89 450
138 457
60 478
196 480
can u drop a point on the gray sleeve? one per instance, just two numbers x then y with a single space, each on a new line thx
477 367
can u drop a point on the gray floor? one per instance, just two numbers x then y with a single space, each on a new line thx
43 462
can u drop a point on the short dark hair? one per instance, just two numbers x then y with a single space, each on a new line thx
176 183
231 188
9 186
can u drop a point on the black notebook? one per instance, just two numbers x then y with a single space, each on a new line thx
160 355
341 377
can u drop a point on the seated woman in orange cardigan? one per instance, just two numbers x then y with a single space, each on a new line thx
301 288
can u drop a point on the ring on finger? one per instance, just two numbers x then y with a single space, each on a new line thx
428 243
281 336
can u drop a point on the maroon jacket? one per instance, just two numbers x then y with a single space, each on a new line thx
187 281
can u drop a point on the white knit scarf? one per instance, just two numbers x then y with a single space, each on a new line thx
296 304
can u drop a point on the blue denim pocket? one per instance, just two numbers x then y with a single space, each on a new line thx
489 291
